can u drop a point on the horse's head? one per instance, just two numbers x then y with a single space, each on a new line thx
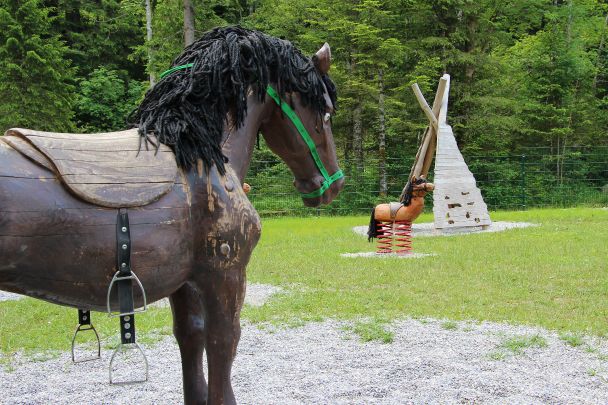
212 82
301 135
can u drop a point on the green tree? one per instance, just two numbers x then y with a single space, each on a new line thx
101 33
168 26
34 88
105 99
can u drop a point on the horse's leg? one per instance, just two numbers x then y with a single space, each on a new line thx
223 294
189 330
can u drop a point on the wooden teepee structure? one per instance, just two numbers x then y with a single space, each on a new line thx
457 201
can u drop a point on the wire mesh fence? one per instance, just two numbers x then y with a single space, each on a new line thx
535 178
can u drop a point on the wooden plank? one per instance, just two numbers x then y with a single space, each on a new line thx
28 150
443 112
441 88
112 157
132 181
16 196
430 152
428 158
77 221
65 135
123 143
120 168
121 195
424 105
73 145
108 171
429 134
85 260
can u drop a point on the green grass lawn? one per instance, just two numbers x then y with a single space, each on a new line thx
554 275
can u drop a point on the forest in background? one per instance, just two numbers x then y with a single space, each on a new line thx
525 73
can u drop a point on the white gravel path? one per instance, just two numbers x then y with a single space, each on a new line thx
323 363
425 229
413 255
6 296
256 295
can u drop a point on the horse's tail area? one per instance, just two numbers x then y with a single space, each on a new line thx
372 230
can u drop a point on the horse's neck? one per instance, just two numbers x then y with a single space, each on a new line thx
239 143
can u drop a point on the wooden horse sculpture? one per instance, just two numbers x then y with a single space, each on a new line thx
178 176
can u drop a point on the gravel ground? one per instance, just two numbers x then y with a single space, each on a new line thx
323 363
6 296
425 229
257 295
413 255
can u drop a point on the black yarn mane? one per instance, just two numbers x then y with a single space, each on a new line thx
187 109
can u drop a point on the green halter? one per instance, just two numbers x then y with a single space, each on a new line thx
290 113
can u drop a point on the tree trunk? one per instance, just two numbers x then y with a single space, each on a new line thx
188 22
557 161
600 49
350 154
381 136
149 38
358 139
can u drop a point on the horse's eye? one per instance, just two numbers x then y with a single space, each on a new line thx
326 117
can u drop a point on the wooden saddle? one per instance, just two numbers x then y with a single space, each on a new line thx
106 169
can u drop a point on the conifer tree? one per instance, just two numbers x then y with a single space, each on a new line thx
34 87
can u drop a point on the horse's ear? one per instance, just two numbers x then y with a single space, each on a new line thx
322 59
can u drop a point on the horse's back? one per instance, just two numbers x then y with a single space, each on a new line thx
57 247
113 169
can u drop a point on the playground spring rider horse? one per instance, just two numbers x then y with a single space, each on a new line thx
162 203
391 223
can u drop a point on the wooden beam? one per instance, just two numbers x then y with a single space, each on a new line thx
439 94
428 157
426 151
423 163
424 105
443 108
424 147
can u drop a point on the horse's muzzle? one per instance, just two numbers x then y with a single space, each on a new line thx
327 197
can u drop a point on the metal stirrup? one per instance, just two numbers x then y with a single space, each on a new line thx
84 324
117 278
123 348
128 343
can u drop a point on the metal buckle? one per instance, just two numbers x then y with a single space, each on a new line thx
124 348
84 328
117 278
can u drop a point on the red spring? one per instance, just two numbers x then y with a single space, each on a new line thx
403 237
385 237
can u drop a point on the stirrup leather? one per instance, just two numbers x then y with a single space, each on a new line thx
123 279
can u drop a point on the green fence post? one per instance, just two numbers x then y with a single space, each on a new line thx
522 175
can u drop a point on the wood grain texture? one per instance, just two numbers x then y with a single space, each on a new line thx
28 150
106 169
62 249
457 201
427 149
